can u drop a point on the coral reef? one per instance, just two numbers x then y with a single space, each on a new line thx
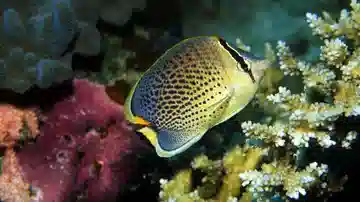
214 186
16 124
39 38
85 152
33 41
297 124
13 187
114 67
80 148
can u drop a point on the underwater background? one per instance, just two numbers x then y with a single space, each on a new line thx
67 66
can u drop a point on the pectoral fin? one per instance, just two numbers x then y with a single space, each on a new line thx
150 134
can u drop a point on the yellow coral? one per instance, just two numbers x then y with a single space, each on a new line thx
238 160
355 72
346 96
176 188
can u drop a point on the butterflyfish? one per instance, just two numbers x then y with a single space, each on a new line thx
194 86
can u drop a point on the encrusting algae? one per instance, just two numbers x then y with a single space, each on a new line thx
277 168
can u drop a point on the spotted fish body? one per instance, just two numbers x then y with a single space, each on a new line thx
192 87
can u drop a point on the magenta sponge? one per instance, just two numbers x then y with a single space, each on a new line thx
85 149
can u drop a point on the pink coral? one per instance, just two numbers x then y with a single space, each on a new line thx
85 150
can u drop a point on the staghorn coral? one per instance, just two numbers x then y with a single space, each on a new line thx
214 186
85 149
261 183
308 117
16 124
299 123
231 184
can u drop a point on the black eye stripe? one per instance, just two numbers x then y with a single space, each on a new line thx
237 57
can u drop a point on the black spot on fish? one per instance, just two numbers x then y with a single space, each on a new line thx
182 81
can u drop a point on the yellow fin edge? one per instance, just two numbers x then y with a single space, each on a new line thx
127 106
150 134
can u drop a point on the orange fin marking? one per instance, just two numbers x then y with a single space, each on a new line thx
139 120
